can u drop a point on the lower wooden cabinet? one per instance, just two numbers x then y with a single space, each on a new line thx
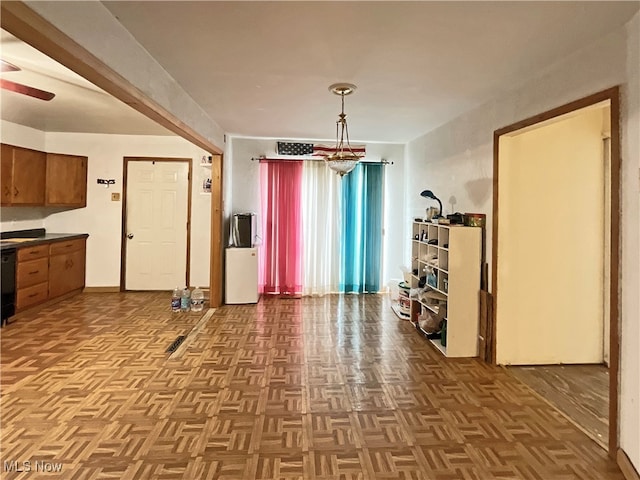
29 296
32 276
66 267
47 271
32 272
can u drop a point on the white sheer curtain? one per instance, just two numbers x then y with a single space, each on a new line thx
321 221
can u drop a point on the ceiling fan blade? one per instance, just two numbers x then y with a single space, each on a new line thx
25 90
8 67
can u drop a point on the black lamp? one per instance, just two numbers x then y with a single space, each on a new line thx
429 194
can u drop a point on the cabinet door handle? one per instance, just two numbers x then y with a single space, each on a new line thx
70 263
33 295
34 272
16 192
7 190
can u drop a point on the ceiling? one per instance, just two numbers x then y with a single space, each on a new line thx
263 69
79 106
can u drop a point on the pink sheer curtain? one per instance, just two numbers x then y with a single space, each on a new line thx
281 252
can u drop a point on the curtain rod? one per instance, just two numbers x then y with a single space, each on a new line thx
257 159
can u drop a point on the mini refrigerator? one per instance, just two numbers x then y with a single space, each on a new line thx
241 279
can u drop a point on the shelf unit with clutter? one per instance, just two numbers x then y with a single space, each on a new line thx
206 161
445 281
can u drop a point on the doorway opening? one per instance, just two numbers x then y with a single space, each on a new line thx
156 227
556 257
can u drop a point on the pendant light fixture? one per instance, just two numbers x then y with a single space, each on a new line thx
343 159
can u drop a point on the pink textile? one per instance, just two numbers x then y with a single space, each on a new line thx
281 252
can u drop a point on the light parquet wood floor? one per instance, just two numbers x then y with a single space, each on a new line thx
318 388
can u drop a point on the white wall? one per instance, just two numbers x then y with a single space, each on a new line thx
457 159
102 218
630 261
245 191
21 136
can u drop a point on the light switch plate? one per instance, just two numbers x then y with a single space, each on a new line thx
115 197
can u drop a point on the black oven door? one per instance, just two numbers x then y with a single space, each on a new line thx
8 283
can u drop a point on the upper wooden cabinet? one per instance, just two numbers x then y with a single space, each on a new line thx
6 175
23 176
66 180
33 178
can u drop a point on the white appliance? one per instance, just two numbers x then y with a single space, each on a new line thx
241 279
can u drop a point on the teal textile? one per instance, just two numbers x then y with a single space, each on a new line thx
361 250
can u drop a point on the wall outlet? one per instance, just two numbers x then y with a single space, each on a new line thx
115 197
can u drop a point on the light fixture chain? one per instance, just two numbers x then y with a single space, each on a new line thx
343 160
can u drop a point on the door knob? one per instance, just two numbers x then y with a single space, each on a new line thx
129 236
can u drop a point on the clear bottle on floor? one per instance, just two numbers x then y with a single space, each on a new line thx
185 300
176 300
197 300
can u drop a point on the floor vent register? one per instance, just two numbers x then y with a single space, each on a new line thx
176 343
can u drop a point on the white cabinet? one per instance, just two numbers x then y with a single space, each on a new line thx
447 258
241 285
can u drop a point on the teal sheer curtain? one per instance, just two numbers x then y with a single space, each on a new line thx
362 229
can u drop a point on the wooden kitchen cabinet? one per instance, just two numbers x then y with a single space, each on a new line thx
66 266
32 276
32 272
23 176
30 296
6 175
49 270
66 184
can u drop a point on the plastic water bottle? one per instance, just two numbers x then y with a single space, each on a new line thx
185 300
175 300
197 300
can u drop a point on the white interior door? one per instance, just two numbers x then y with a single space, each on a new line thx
157 209
550 268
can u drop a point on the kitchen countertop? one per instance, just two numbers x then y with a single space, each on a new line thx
22 242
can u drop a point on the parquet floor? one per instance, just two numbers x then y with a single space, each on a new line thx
318 388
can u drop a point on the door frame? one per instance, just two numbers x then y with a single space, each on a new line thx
612 95
216 262
123 239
